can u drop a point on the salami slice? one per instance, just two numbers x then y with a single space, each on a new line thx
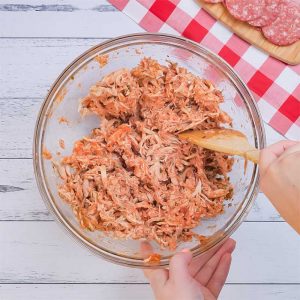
270 13
213 1
246 10
285 30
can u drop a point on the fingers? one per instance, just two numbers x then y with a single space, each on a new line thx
278 148
293 149
179 271
156 277
271 153
199 262
207 271
146 249
218 279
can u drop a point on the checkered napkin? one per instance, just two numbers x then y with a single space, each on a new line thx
275 85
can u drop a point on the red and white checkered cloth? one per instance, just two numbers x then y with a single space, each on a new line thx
275 85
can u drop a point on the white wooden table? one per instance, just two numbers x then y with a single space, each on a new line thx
37 260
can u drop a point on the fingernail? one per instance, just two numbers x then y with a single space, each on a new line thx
186 250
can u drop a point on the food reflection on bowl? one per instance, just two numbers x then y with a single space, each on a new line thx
60 124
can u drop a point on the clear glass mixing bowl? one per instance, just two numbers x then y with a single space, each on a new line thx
126 52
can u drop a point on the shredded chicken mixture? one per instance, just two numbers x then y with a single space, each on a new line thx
132 177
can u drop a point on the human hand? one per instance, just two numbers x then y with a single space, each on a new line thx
280 179
200 279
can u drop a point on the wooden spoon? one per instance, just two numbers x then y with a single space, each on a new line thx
234 142
228 141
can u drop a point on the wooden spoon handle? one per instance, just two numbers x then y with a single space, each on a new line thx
253 155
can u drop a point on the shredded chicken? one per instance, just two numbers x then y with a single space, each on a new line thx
102 60
62 120
46 154
61 143
153 259
132 177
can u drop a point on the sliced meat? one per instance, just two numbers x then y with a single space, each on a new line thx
270 13
213 1
246 10
285 30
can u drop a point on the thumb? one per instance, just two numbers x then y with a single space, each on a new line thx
179 266
273 152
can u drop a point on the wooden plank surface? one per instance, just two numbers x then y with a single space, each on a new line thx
41 252
41 60
24 94
139 291
22 113
20 199
63 19
37 259
288 54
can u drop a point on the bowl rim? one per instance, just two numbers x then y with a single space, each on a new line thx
259 137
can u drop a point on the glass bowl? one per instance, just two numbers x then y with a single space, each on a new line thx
59 119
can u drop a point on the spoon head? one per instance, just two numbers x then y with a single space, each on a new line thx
228 141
